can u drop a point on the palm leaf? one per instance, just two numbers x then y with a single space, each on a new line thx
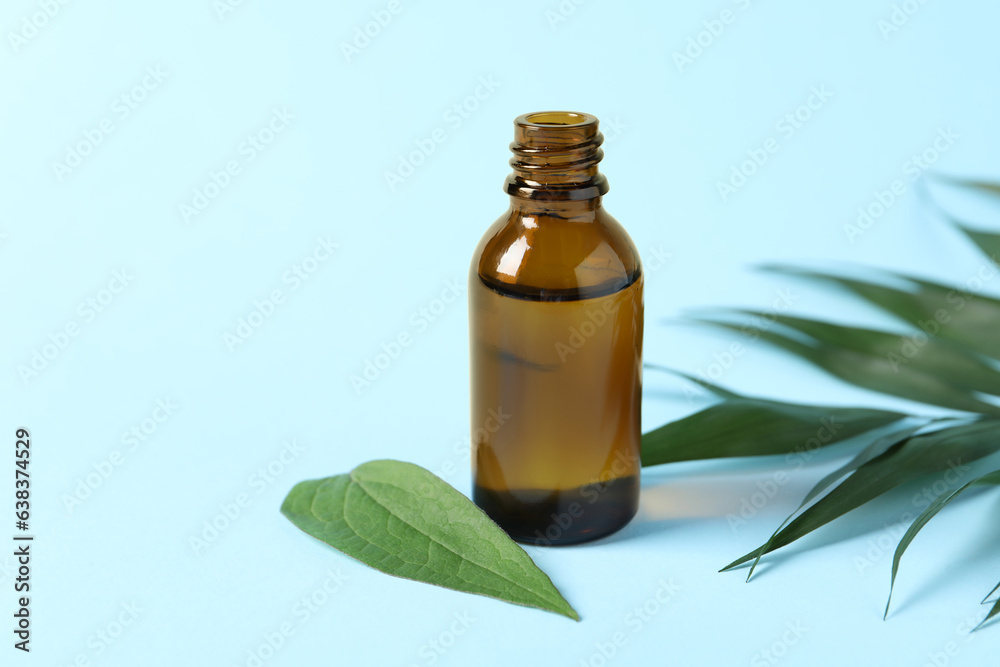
745 426
987 598
958 314
985 187
954 364
936 506
993 612
903 462
869 453
988 242
944 361
871 367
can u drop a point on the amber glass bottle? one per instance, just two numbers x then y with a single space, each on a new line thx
555 309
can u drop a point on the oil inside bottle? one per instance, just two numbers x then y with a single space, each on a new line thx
564 368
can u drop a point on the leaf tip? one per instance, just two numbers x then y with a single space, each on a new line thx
888 601
733 565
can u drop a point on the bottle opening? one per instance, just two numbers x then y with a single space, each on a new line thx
555 156
556 118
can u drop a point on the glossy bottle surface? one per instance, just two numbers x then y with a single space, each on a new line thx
555 296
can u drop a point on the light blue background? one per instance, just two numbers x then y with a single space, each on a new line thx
679 130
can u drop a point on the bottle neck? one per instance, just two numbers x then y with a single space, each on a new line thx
555 162
569 209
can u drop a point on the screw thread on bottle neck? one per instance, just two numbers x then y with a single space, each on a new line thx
555 157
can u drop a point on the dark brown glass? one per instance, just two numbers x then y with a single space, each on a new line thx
555 310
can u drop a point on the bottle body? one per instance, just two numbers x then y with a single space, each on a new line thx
556 321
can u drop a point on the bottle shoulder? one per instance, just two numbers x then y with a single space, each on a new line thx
556 258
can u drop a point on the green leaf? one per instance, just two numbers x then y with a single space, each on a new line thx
995 589
988 242
404 521
987 187
861 357
951 363
910 459
872 451
993 612
744 426
718 390
959 314
936 506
